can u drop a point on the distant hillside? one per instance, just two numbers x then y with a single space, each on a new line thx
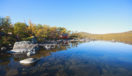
125 37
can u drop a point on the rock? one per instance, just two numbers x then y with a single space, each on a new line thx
25 47
3 48
10 45
29 61
30 53
22 44
47 47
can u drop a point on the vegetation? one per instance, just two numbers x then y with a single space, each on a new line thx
9 33
6 32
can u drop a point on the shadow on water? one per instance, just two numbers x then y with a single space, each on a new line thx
95 58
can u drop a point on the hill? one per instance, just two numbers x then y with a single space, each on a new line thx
125 37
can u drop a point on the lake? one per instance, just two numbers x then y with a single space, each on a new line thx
94 58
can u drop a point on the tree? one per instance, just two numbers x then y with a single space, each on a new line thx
52 33
42 31
74 35
5 25
31 28
20 30
6 31
61 30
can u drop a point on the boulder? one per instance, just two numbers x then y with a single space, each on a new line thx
29 61
25 47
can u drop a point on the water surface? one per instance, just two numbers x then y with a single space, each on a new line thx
95 58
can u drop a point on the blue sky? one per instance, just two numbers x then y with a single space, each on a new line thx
93 16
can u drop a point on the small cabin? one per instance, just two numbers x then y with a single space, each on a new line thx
64 36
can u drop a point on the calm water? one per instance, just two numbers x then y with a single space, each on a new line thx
95 58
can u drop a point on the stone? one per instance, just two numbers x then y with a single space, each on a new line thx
3 48
30 53
29 61
25 47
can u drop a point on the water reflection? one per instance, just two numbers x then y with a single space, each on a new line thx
95 58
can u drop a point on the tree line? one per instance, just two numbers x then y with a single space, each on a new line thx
10 33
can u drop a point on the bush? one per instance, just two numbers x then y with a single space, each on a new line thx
27 39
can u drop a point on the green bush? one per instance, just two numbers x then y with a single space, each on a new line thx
27 39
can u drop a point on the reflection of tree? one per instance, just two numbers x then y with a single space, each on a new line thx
4 59
74 44
43 53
